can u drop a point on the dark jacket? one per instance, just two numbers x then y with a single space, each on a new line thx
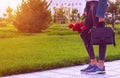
101 8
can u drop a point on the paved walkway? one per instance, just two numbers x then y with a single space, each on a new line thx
112 71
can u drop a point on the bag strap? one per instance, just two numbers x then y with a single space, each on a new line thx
93 16
114 41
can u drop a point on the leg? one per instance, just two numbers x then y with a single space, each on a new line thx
102 52
100 68
85 37
90 50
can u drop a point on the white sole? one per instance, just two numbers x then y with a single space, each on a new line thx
97 72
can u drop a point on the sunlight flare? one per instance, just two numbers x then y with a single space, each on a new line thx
5 3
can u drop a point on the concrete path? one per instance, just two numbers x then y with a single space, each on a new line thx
112 71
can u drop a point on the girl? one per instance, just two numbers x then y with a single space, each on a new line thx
94 16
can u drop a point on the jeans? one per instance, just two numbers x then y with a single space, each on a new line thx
90 21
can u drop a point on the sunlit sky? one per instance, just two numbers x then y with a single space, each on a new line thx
12 3
5 3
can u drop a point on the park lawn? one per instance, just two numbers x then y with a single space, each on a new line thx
54 48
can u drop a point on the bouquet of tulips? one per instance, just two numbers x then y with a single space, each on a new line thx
79 27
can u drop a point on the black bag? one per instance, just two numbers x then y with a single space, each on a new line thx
103 35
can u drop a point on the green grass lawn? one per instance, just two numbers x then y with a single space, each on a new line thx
54 48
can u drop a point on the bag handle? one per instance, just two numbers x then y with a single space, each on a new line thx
99 23
93 17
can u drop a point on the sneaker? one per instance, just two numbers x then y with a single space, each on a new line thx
88 68
96 70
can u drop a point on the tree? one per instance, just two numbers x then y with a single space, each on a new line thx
8 14
75 16
4 14
32 16
114 10
59 15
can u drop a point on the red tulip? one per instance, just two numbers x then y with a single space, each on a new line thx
70 26
74 28
79 30
77 25
81 24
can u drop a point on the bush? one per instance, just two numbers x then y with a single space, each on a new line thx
117 28
32 16
3 23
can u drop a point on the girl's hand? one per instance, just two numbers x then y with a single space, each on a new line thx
85 14
101 19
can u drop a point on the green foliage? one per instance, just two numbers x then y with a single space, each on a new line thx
59 15
114 7
22 53
113 11
75 16
8 15
32 16
117 28
3 23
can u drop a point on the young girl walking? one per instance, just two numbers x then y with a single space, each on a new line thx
94 16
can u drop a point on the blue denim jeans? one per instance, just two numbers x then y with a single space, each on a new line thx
90 21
